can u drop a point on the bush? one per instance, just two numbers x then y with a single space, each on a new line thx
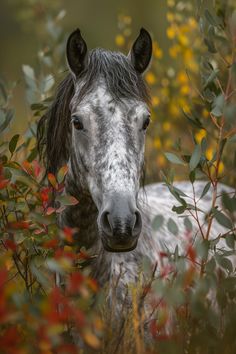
46 292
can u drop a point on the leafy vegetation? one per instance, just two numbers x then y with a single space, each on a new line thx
48 301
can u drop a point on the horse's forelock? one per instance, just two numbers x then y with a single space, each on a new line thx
121 79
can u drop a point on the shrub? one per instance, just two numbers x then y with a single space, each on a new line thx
46 292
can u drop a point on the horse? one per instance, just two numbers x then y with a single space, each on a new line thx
97 125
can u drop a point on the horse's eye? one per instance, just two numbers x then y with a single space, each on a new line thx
77 121
146 123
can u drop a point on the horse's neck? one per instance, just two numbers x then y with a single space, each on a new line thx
82 216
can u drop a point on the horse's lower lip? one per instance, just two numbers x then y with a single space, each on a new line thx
119 247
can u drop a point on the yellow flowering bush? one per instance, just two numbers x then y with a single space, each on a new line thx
174 81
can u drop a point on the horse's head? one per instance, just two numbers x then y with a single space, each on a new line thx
109 116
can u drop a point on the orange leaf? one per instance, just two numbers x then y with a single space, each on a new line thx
52 180
27 167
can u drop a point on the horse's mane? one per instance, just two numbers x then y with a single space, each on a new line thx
121 80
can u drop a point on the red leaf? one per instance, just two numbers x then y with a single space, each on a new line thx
10 244
153 328
44 194
75 281
83 255
3 183
51 243
79 318
3 276
9 340
73 201
68 234
18 225
37 168
67 348
39 231
50 211
191 253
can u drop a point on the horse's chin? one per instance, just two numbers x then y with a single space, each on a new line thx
119 248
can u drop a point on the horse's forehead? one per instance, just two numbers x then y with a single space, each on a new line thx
101 102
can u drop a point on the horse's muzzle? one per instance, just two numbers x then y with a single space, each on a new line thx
120 224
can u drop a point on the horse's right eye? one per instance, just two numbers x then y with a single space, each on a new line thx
77 122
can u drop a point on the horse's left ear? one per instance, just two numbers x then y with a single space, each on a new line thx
76 52
141 51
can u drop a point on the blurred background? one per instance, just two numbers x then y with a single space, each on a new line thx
33 34
23 22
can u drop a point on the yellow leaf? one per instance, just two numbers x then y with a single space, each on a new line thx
171 33
91 339
150 78
155 101
120 40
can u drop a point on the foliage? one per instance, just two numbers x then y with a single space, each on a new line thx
47 297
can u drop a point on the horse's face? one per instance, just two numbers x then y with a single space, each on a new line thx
108 137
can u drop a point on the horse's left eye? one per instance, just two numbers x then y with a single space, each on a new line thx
77 122
146 123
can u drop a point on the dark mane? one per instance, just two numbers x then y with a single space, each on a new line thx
122 81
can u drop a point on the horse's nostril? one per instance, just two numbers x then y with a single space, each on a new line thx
138 224
106 226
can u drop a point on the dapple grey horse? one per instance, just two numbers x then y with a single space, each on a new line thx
97 125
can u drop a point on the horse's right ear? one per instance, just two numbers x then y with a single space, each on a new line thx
76 52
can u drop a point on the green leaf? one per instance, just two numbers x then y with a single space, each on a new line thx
30 80
146 265
47 83
204 145
176 253
210 46
33 154
187 223
195 121
211 78
213 20
192 176
211 265
172 227
28 71
205 189
62 173
195 158
173 158
222 219
218 106
179 209
8 117
230 241
13 142
229 203
224 263
37 106
67 200
157 222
